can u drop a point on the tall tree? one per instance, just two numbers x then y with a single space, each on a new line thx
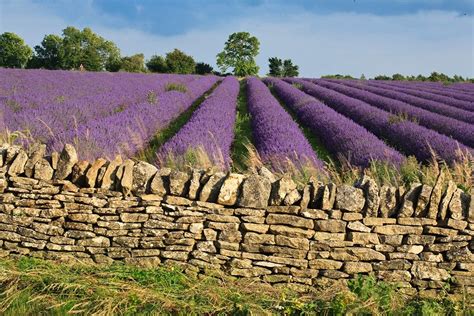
290 70
203 68
49 53
279 68
275 65
180 63
239 53
176 62
398 76
134 63
14 53
157 64
86 48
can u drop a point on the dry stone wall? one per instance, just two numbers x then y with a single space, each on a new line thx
253 226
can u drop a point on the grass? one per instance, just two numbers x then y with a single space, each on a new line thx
242 145
31 286
176 87
149 154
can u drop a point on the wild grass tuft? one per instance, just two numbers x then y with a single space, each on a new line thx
151 97
173 86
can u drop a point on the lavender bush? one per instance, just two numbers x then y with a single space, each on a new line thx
129 131
415 91
407 136
461 131
429 105
48 103
442 90
278 139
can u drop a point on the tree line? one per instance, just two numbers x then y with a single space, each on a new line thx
83 49
433 77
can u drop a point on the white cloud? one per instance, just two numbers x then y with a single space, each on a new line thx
320 44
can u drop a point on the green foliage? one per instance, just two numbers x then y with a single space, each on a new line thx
338 76
203 68
14 53
76 48
275 66
279 68
179 63
157 64
382 77
176 87
134 63
87 48
49 54
290 70
433 77
398 77
176 62
239 53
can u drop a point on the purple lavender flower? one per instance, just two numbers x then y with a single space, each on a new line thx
278 139
210 128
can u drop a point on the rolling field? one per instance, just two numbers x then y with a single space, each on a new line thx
224 122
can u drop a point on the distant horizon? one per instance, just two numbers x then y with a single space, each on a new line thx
341 37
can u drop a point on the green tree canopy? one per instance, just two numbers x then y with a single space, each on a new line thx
14 53
49 53
180 63
203 68
74 48
157 64
398 77
239 53
290 70
279 68
275 66
176 62
134 63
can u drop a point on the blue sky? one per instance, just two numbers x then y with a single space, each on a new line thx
321 36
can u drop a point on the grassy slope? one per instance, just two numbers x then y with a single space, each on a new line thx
35 287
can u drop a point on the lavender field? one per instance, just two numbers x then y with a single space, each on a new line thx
295 122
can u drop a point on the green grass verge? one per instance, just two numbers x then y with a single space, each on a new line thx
242 131
31 286
149 154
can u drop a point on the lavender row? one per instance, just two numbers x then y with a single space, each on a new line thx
441 91
432 106
211 128
455 87
408 137
463 86
276 135
459 104
129 131
341 136
461 131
